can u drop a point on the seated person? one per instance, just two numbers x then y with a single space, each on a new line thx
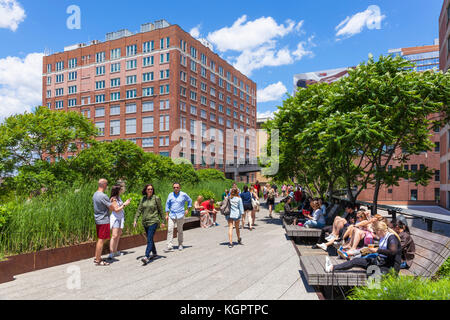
198 207
208 211
290 216
407 243
317 219
323 207
388 254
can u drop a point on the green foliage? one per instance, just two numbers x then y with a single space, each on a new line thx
210 174
207 194
5 215
444 270
40 134
393 287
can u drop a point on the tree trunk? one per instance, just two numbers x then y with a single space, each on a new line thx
375 196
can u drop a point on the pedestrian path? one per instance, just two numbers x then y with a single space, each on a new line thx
266 266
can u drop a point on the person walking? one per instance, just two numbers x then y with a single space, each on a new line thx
236 211
271 200
257 186
255 205
117 218
175 214
151 210
102 206
246 197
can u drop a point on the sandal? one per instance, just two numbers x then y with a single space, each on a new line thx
101 263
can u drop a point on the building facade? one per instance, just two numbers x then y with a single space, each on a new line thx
444 58
160 88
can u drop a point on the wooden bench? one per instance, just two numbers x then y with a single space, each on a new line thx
432 250
302 232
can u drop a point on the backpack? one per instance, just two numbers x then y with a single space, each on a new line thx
225 208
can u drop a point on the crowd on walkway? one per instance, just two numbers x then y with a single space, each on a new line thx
237 207
363 239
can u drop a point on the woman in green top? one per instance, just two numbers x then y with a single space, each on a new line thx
152 213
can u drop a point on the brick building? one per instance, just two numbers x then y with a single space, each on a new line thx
145 87
444 58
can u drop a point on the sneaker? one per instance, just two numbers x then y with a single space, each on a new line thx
328 265
145 261
180 248
315 246
111 256
240 240
323 246
343 254
216 224
330 237
306 226
230 245
169 249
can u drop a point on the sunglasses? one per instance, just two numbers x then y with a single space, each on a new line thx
149 189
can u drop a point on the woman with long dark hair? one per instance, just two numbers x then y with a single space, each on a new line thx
117 218
152 213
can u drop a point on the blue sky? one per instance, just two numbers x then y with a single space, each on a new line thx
271 41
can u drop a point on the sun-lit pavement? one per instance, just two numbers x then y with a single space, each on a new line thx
266 266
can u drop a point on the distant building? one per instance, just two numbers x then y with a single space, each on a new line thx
143 87
261 143
424 57
444 50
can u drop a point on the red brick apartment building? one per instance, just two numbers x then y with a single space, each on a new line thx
144 87
444 58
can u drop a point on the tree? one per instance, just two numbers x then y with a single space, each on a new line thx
24 138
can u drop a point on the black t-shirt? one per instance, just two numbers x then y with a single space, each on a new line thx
350 217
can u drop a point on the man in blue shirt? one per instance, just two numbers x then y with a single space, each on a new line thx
175 213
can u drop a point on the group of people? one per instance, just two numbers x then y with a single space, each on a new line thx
109 218
309 213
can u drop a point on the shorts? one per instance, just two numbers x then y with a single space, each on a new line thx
248 206
103 231
271 202
116 222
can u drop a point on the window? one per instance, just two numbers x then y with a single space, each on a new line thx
59 104
164 89
147 77
203 114
130 126
414 195
148 46
59 78
148 92
72 76
131 94
115 54
203 100
86 113
59 66
147 106
193 66
203 72
437 175
147 124
72 89
194 110
390 191
100 128
72 63
131 79
193 82
131 64
115 67
163 142
99 85
148 142
437 147
114 127
59 92
115 82
49 93
131 50
148 61
194 53
100 112
164 123
115 96
49 68
100 57
437 195
193 95
100 70
192 127
164 74
114 110
130 108
72 102
182 123
164 105
183 106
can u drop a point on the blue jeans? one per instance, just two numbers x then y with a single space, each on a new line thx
314 224
150 231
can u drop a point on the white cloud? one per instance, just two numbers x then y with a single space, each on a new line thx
20 84
273 92
252 34
11 14
195 32
370 18
266 114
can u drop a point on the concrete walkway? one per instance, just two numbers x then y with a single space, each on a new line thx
266 266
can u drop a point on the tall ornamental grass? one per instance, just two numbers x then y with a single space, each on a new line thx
67 218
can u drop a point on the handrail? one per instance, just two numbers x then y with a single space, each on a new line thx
428 217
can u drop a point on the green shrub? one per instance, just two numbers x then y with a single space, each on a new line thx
279 207
393 287
210 174
444 270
